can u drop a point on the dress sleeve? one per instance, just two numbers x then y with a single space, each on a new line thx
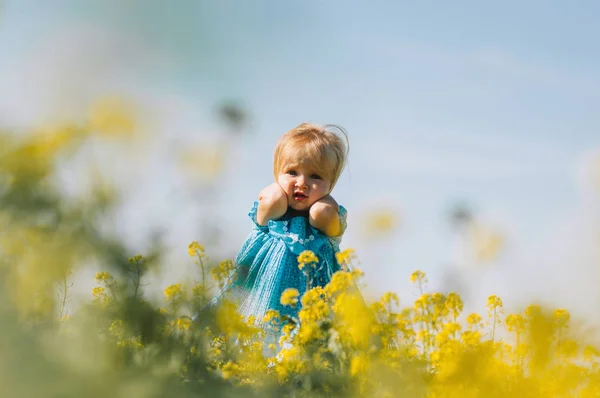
343 214
252 214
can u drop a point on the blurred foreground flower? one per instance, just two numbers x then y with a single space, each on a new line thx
204 163
345 258
112 116
487 242
380 222
290 297
173 292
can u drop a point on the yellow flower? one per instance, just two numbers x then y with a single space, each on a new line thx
116 328
438 300
199 290
308 331
418 277
358 364
271 315
112 116
313 296
533 311
229 369
182 323
340 282
307 257
353 318
102 276
390 298
290 297
98 292
381 221
568 348
515 323
136 259
222 272
590 353
471 338
357 273
313 312
561 317
423 335
173 292
454 304
494 302
195 248
49 140
345 257
130 343
422 301
451 327
474 319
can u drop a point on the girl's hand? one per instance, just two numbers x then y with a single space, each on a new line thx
323 215
272 204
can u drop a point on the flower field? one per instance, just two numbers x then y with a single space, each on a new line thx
121 344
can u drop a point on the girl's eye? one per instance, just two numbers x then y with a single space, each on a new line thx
315 176
292 172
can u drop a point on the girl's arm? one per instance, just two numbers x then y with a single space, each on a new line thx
323 215
272 204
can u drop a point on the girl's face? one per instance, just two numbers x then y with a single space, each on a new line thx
302 183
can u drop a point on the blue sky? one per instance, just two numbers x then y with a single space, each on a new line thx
492 104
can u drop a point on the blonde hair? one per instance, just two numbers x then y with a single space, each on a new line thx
318 143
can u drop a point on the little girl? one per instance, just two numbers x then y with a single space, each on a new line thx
295 213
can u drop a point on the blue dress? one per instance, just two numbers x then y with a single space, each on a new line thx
267 263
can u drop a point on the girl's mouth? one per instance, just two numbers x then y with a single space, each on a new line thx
300 196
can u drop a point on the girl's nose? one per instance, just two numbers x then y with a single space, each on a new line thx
301 182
